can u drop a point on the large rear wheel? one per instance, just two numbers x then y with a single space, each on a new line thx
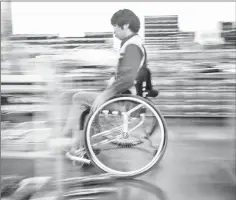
126 149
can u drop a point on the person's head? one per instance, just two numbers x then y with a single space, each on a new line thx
125 22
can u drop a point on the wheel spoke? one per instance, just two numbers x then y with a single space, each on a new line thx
106 141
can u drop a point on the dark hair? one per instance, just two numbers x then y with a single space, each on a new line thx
126 16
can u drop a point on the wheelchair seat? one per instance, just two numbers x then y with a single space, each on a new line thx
152 93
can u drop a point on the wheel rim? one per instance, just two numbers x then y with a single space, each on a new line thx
146 167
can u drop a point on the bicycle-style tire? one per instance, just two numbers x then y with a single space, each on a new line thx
159 152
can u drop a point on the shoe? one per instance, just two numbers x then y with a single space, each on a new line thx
96 151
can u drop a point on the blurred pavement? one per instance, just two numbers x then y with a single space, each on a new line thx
199 163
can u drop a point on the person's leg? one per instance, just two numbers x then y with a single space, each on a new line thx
80 102
65 112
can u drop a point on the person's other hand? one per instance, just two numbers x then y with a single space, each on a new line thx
110 81
102 98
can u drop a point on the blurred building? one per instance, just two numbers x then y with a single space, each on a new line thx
186 40
210 39
6 19
228 33
98 34
90 40
161 31
104 38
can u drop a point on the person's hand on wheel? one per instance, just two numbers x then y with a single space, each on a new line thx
102 98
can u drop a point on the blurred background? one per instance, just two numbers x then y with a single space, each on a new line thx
48 48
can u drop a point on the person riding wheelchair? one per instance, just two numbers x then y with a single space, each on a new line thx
107 120
122 115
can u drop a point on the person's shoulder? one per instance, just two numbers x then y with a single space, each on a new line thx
134 46
133 50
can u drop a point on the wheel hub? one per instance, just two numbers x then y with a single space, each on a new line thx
125 135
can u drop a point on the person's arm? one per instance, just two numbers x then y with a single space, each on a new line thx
127 70
126 74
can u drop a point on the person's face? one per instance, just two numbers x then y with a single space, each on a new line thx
120 32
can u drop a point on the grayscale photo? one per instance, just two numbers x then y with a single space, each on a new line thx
118 100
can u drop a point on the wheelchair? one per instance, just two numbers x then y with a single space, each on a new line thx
126 136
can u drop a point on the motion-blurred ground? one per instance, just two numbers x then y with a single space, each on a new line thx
199 164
